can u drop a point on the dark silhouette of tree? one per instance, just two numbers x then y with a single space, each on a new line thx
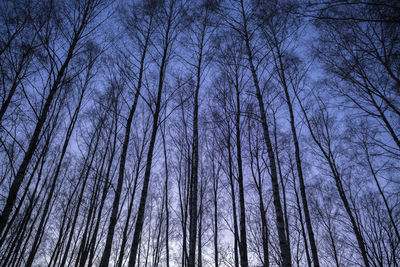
199 133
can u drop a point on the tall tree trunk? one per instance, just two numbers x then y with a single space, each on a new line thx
33 143
281 180
215 200
166 203
283 243
146 178
64 228
199 240
106 185
385 201
70 129
243 238
39 162
113 218
310 231
257 177
195 166
84 176
14 245
303 232
233 198
328 155
130 208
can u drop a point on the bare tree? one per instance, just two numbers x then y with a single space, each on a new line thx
242 27
145 37
279 133
87 13
169 15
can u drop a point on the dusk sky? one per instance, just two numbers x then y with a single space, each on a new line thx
199 133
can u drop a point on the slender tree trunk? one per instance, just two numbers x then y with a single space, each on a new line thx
84 176
385 201
183 190
243 238
264 232
142 204
328 155
303 232
283 243
19 177
39 162
166 203
146 179
232 185
148 238
70 129
130 209
264 224
158 246
19 255
91 247
300 175
281 180
14 245
91 214
199 241
113 218
215 195
335 254
65 224
195 166
259 185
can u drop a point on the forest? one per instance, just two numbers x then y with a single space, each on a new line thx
195 133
